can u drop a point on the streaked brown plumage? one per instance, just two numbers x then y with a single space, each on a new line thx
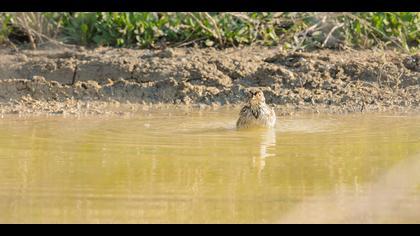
256 113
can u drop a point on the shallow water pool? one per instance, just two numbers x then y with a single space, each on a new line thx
169 166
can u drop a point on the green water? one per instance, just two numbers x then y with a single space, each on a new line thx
170 166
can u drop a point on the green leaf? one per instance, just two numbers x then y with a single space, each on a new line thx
120 41
84 28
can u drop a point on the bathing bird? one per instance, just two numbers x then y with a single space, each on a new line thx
256 113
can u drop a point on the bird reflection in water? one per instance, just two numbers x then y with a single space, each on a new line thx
267 142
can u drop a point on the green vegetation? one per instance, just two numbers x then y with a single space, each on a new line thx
297 31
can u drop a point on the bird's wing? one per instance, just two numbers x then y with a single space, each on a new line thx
242 116
244 110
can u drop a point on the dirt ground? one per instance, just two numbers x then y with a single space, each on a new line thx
106 79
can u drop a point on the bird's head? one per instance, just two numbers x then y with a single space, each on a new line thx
256 97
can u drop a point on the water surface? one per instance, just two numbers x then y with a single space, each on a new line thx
173 166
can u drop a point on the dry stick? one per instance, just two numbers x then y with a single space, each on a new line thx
244 17
39 23
41 35
10 43
58 27
376 40
24 24
308 30
185 43
330 33
27 29
74 75
203 26
52 40
216 27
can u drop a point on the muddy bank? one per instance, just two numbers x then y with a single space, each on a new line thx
321 81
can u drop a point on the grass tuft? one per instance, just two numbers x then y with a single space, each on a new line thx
294 31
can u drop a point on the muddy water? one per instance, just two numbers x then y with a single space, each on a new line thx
194 167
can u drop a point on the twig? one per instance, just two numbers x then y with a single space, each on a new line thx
243 17
27 29
185 43
219 35
203 26
52 40
74 75
10 43
22 22
331 32
307 31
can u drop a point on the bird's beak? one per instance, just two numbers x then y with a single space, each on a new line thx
254 99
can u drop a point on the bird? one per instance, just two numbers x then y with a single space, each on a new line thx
256 113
